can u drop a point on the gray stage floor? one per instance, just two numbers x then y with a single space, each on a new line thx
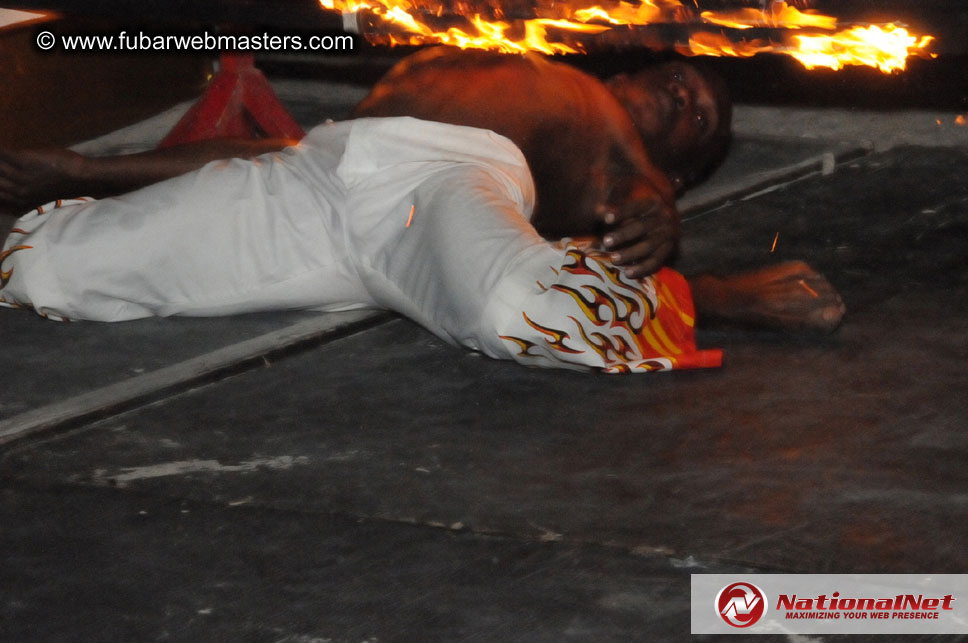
307 478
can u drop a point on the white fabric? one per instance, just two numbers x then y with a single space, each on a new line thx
426 219
322 225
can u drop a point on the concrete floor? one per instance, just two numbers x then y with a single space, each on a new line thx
307 478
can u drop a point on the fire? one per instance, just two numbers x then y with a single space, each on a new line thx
490 34
886 48
778 15
814 39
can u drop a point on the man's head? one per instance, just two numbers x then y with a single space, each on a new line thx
683 114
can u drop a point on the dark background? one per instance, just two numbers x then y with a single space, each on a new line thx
151 82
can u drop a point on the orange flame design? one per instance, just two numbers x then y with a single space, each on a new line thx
6 275
640 325
606 346
647 338
590 307
558 337
579 265
523 344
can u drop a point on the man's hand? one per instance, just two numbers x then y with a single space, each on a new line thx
29 178
641 235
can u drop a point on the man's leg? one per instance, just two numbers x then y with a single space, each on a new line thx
471 269
232 237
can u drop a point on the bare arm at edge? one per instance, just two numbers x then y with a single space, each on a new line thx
31 177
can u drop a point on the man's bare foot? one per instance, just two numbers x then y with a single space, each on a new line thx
789 296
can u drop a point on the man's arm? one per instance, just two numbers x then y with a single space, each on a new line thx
31 177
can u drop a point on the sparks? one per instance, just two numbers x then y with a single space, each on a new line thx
808 288
410 219
774 243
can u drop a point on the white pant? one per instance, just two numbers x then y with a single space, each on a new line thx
426 219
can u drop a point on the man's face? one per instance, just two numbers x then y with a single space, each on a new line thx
673 107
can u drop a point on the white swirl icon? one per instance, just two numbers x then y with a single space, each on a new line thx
46 40
741 604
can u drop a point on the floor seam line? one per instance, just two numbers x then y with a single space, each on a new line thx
138 391
777 178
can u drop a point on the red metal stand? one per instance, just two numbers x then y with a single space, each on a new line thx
238 103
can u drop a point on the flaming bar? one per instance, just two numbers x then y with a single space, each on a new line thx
517 26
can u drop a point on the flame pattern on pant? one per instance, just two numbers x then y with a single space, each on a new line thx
34 215
593 316
7 275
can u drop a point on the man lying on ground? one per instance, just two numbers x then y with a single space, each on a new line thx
427 219
588 143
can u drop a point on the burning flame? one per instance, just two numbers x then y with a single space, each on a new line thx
815 40
779 15
886 48
490 34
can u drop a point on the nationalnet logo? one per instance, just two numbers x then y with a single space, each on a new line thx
830 603
741 604
899 606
